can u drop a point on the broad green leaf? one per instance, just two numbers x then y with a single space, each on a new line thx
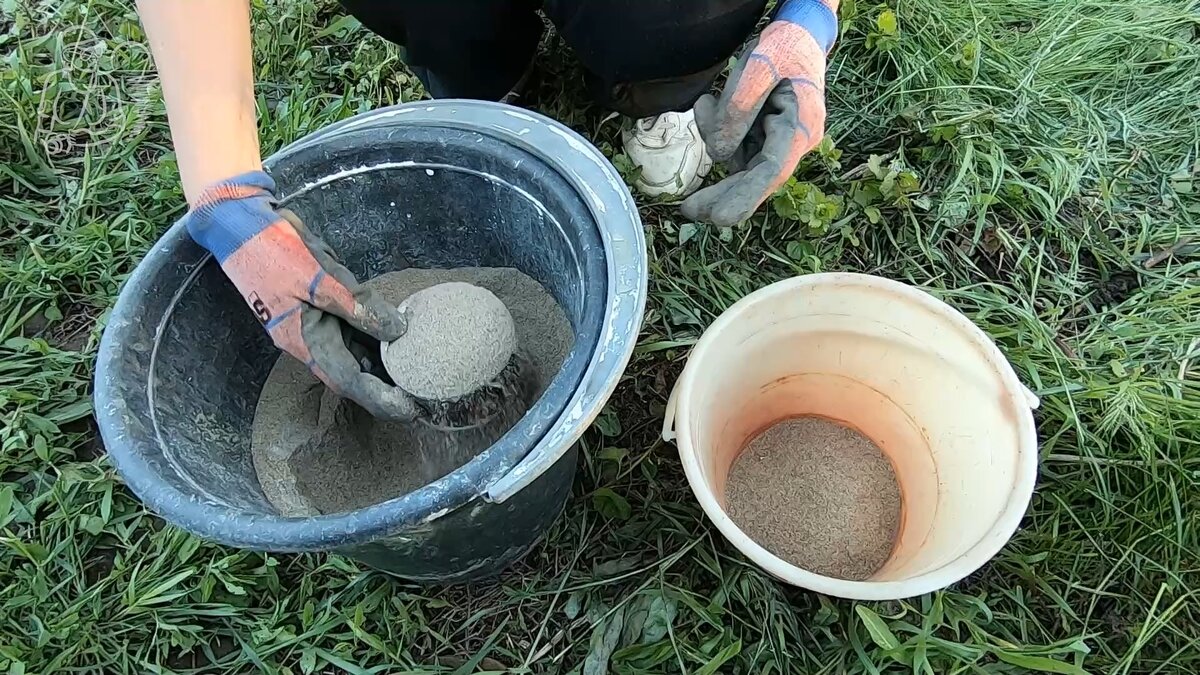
659 619
342 26
614 454
6 501
610 504
573 605
92 524
308 660
730 651
879 631
608 424
636 612
875 165
1038 664
604 642
886 22
687 231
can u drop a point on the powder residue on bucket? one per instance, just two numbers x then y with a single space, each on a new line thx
317 453
819 495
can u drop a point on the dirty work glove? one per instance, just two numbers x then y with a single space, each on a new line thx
770 114
297 290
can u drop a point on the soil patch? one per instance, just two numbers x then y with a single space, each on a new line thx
1110 285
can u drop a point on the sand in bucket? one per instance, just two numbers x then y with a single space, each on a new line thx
819 495
317 453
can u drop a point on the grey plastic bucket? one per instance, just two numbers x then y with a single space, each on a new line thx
477 184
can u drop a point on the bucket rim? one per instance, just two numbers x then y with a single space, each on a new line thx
1002 529
620 228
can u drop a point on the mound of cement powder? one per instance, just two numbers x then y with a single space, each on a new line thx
317 453
459 338
818 495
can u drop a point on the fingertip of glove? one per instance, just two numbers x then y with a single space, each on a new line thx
707 112
692 208
705 109
392 403
375 316
392 325
292 219
730 215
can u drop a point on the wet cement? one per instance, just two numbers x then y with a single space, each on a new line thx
317 453
459 338
819 495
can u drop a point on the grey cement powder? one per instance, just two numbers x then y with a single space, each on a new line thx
459 338
819 495
316 453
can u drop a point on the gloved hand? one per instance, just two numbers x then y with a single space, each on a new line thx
771 113
297 290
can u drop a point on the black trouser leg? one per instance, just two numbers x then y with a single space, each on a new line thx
643 57
458 48
646 57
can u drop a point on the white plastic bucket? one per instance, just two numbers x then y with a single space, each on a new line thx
903 368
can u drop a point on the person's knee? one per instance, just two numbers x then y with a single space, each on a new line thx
653 97
646 57
642 40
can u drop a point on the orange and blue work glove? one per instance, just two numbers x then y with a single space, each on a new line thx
771 113
299 292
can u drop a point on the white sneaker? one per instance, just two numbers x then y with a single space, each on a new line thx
670 152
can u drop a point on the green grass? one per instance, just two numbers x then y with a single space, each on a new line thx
1033 162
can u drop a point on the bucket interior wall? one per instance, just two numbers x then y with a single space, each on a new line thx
456 198
901 375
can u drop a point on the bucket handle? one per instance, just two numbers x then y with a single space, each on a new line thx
1031 399
668 427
